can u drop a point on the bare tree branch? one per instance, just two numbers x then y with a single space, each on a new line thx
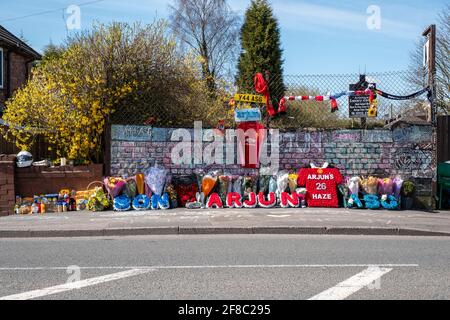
442 62
210 29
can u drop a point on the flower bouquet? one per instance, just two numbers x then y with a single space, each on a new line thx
263 184
385 186
98 201
370 185
282 181
249 184
114 185
170 190
199 174
237 184
155 177
208 183
224 182
398 183
273 184
292 182
353 185
130 188
185 187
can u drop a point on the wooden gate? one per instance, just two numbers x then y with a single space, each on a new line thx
39 149
443 139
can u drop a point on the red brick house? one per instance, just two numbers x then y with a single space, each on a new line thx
16 59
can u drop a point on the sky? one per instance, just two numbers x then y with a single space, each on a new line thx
318 37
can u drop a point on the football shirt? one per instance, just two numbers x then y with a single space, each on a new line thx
321 186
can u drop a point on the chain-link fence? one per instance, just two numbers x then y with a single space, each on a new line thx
174 100
182 111
319 115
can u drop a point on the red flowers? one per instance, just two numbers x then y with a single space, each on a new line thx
186 193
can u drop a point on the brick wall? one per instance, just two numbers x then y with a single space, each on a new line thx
404 151
19 72
31 181
42 180
7 192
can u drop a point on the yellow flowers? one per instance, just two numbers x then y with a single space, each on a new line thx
67 101
372 113
112 67
293 176
373 110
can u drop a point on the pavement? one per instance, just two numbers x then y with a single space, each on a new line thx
234 267
329 221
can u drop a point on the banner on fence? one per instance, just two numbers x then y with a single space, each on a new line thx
245 115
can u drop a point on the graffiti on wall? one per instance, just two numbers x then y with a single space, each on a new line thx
131 133
407 150
415 134
346 136
415 159
302 141
377 136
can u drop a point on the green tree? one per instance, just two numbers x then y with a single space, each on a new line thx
51 52
261 49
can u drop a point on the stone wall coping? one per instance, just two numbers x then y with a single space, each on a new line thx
7 158
292 130
67 169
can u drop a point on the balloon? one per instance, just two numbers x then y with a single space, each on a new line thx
208 184
140 183
262 87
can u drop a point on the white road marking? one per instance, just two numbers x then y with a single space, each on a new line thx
353 284
75 285
215 267
279 215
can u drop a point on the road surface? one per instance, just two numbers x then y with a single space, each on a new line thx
226 267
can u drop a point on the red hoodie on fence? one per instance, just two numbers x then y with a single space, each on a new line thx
321 186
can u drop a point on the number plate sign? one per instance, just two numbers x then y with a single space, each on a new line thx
250 98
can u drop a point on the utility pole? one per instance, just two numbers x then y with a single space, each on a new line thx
430 34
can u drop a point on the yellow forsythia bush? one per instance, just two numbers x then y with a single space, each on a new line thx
71 94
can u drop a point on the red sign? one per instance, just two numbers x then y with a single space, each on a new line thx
249 147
